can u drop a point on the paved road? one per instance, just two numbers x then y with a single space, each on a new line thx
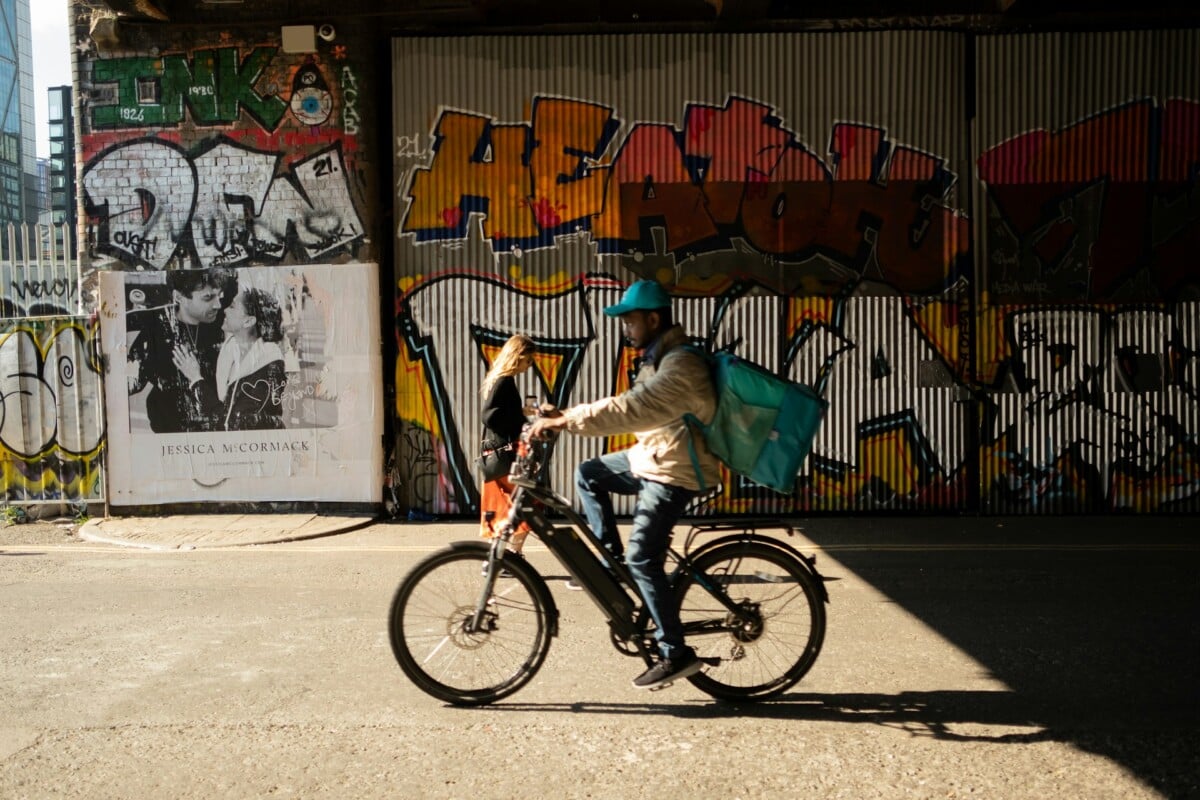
976 658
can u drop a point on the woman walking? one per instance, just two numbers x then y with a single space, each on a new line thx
503 418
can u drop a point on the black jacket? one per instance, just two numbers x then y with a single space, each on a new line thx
172 404
503 414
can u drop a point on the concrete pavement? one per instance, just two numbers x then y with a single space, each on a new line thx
193 531
964 657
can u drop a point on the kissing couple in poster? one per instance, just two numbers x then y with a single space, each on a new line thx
213 357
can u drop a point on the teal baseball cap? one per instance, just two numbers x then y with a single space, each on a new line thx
641 296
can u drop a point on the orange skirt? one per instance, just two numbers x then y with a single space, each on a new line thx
494 507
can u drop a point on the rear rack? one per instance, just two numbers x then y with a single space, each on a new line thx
743 525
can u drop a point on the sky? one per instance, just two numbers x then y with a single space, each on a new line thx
51 60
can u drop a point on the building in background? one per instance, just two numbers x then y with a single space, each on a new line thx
18 165
43 190
61 193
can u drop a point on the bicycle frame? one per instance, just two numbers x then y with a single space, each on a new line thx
617 598
580 555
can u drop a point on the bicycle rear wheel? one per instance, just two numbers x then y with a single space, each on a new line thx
441 650
777 632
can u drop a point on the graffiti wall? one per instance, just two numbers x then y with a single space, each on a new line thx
216 151
52 423
885 445
33 292
801 196
231 153
1088 317
799 216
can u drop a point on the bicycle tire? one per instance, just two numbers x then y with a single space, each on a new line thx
773 647
427 625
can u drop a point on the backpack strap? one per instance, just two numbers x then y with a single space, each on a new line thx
692 421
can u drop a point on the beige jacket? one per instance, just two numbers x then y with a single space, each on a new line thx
677 383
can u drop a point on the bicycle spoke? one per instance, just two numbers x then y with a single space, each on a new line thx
772 639
442 647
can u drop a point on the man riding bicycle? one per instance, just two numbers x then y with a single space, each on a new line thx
659 468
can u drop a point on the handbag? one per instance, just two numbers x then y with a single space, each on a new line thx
496 462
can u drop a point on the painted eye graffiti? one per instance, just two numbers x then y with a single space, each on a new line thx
311 101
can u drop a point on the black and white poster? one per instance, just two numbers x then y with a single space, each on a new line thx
260 383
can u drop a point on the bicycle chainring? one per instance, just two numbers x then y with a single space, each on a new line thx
628 647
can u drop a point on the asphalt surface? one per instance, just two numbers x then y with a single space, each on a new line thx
974 657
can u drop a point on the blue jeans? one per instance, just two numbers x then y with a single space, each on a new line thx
658 508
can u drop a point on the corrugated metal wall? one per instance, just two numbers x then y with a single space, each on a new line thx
804 198
52 430
1088 154
746 172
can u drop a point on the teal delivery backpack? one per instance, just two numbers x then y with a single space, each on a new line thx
764 425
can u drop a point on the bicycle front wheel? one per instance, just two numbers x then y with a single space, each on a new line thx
773 638
452 653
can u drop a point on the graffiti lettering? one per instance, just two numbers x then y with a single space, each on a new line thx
410 147
58 288
350 116
730 172
1094 204
891 444
214 87
134 243
903 428
224 205
421 489
52 430
1099 408
323 167
1111 394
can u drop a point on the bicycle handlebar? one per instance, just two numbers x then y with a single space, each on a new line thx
532 455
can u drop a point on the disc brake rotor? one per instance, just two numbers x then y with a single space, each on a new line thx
459 629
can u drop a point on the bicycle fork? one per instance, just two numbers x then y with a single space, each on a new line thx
476 622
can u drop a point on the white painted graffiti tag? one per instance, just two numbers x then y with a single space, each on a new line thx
350 118
231 199
411 146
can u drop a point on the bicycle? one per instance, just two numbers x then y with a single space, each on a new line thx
752 606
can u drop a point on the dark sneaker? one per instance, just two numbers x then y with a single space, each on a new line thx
668 670
573 585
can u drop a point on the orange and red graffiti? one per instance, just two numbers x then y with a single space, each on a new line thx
730 172
1145 160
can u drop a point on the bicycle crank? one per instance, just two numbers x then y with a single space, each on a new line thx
629 646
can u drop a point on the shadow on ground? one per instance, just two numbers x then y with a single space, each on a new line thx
1093 624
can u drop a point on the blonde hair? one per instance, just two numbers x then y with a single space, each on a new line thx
507 361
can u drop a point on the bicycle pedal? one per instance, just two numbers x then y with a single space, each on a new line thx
662 686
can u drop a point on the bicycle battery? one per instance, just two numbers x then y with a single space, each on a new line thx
586 568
